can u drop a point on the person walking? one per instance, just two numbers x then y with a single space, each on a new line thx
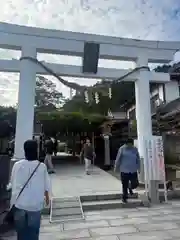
55 146
49 148
30 187
128 163
88 155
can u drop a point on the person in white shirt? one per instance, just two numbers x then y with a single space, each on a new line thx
30 203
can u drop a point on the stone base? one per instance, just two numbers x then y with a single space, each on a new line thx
154 191
169 185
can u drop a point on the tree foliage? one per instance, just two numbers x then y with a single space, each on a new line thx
47 97
122 93
64 122
7 121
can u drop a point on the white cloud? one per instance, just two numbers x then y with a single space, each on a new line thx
145 19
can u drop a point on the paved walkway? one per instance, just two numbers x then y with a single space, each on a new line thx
158 223
71 180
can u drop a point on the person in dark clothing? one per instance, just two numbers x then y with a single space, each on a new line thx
55 146
128 162
49 147
88 155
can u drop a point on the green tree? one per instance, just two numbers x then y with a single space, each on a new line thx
122 93
47 97
65 122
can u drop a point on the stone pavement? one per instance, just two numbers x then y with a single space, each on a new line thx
157 223
71 180
161 222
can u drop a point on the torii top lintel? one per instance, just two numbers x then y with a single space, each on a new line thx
72 43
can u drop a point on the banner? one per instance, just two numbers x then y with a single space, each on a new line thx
155 159
159 158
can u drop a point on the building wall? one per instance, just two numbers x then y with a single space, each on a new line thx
169 91
172 148
164 93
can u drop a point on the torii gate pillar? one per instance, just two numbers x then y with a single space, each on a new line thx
143 109
26 99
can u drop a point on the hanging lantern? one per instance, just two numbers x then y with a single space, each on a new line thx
86 96
96 97
110 113
110 93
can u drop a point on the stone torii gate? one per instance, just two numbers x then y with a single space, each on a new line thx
31 40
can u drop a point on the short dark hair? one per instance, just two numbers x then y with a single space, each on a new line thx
129 141
31 150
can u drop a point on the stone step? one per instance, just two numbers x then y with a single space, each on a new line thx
101 197
63 209
111 204
65 218
66 212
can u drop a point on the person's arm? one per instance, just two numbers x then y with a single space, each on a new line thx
47 186
9 186
82 151
12 185
118 159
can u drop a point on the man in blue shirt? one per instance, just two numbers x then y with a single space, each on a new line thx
128 163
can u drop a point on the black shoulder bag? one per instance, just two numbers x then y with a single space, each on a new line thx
9 217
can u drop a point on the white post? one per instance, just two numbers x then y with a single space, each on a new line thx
26 99
107 159
71 94
143 109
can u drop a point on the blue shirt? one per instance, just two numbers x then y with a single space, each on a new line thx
127 160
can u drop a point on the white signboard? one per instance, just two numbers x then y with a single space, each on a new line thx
159 158
155 159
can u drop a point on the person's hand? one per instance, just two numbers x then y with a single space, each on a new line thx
47 201
47 198
9 187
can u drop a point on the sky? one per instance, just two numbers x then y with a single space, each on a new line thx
141 19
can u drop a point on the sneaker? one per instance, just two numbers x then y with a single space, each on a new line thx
131 192
124 201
